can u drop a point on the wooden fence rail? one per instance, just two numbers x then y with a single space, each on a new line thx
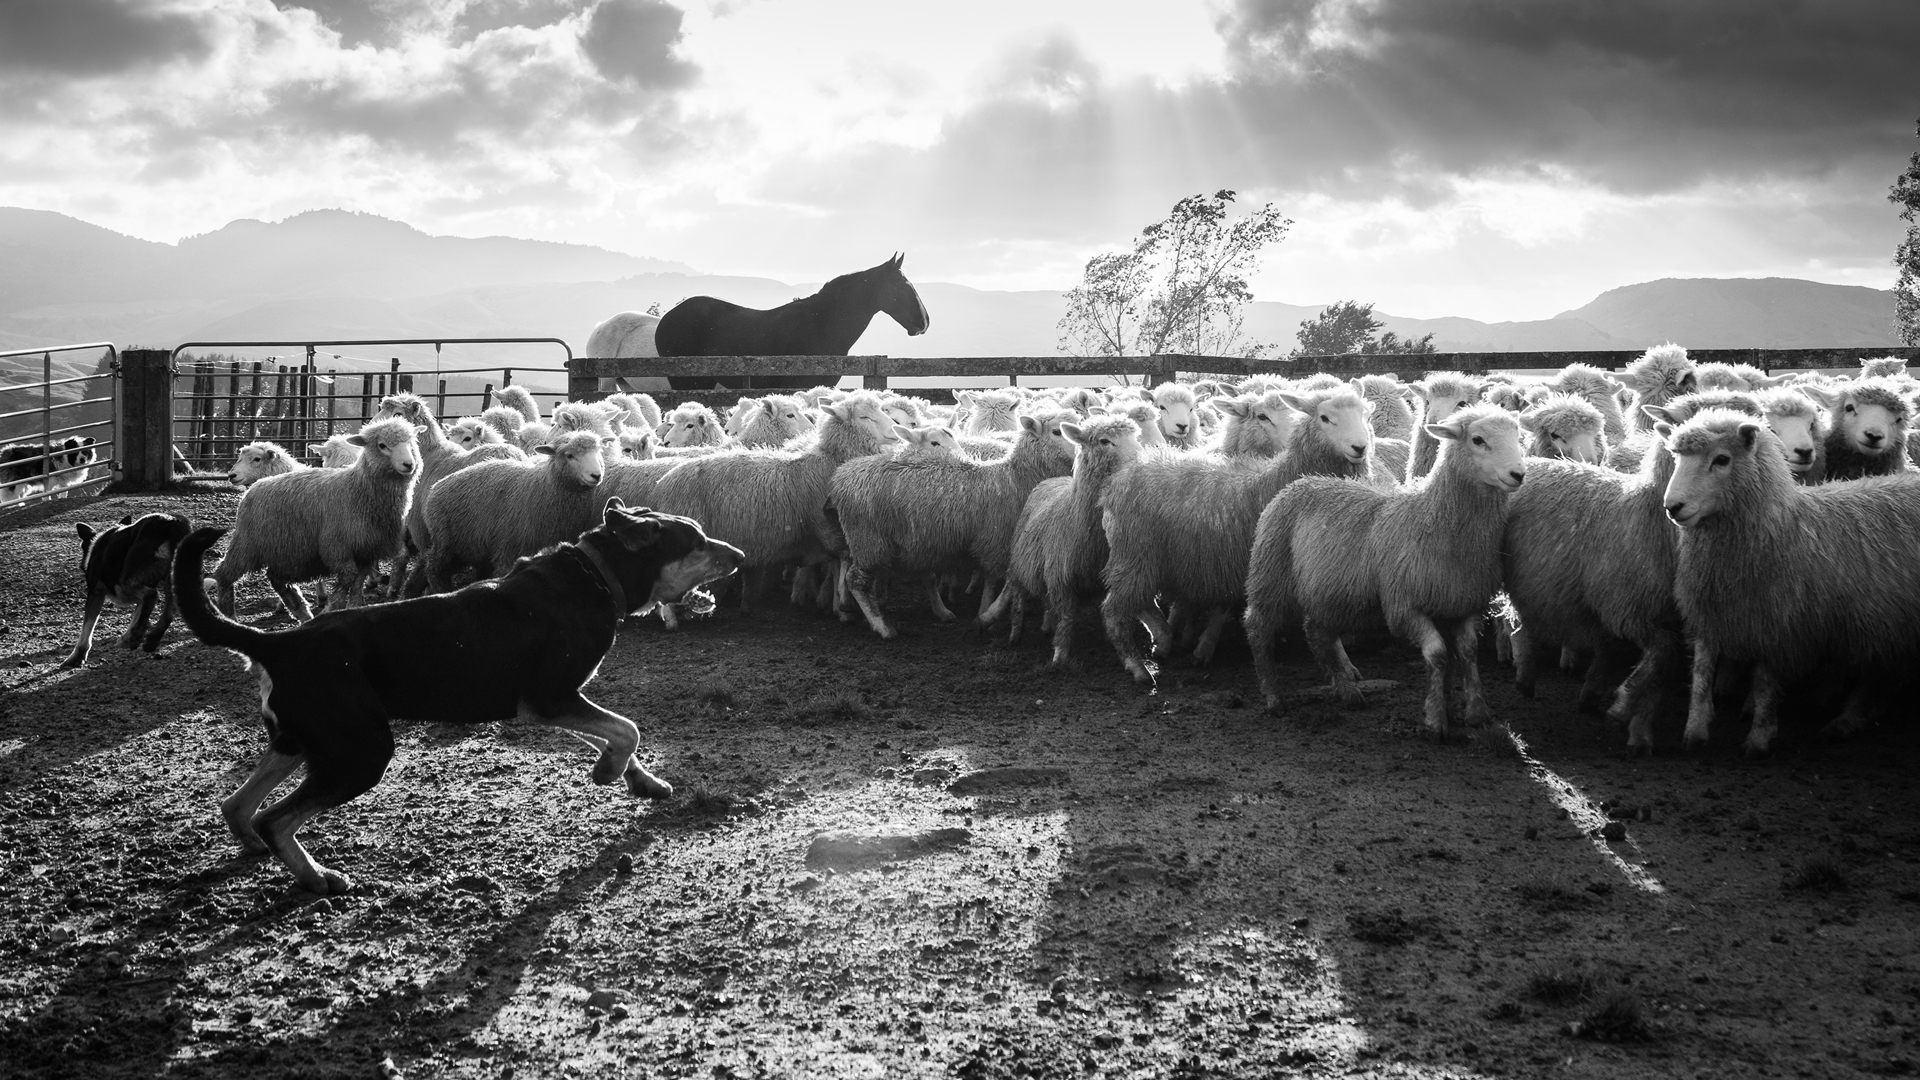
585 374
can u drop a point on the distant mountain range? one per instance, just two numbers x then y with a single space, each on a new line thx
334 274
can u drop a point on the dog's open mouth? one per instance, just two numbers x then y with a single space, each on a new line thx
680 580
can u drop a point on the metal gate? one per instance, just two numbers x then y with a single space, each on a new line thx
58 428
222 405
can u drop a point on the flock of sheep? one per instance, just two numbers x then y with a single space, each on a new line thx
1757 526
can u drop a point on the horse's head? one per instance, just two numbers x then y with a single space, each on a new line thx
898 298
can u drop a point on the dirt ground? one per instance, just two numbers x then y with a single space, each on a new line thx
1173 884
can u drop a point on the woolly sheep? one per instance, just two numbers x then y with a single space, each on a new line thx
1080 399
1392 412
640 410
1506 395
258 460
1177 420
597 417
1661 374
636 445
1786 577
903 410
1341 557
1441 394
1598 387
1883 367
1256 428
773 421
439 457
1801 425
338 452
1059 546
519 399
1146 416
692 424
772 503
313 522
493 512
1589 565
989 411
1627 456
506 420
1565 426
1179 527
471 431
1868 436
1742 377
936 515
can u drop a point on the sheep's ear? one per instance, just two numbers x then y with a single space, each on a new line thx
1749 433
315 449
1529 419
357 439
1422 385
1825 396
1236 406
903 430
1294 402
1688 383
1074 432
964 397
1096 410
1663 429
419 429
1448 429
1032 424
1659 414
544 448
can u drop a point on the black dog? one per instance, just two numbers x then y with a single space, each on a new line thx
518 647
127 563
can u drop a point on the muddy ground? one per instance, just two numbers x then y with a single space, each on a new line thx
1179 885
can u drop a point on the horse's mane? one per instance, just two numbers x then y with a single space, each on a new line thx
845 281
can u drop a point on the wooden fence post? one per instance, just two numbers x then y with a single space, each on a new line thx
143 446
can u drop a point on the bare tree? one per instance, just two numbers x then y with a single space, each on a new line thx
1906 291
1182 288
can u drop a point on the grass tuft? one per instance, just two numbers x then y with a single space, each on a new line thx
1562 982
1616 1017
717 693
1551 895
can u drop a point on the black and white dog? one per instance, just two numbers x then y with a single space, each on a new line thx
520 647
128 564
29 468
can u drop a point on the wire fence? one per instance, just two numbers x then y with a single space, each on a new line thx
59 428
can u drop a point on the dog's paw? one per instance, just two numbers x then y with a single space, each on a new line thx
643 784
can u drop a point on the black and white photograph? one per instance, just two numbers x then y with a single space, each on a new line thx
842 540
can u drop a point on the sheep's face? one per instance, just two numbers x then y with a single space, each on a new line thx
1148 419
1112 441
689 427
787 414
1707 455
924 443
1721 377
1873 428
637 445
870 423
470 432
257 462
1799 438
582 462
1339 419
993 412
1490 439
1176 416
901 413
1443 397
396 444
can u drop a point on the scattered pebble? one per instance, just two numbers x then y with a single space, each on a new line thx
1614 831
624 864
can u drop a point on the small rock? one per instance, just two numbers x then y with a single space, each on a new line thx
847 849
1646 813
1614 831
618 1012
624 864
1224 699
930 777
479 883
605 1000
1007 776
1533 832
60 935
390 1071
805 885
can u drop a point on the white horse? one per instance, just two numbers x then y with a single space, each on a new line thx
629 333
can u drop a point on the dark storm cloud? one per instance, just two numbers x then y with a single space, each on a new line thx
1639 95
633 41
93 37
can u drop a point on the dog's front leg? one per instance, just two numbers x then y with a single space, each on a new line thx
139 626
95 597
615 736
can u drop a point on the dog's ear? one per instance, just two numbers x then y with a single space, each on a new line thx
86 533
635 534
614 502
128 520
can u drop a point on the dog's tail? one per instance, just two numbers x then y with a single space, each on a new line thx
207 622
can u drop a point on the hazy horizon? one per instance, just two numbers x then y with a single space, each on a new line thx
1441 158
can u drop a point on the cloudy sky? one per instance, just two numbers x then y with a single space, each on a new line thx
1440 157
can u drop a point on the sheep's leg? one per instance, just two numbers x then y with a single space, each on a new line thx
1466 643
1047 618
291 596
398 584
347 586
1766 711
1331 656
1433 649
1122 615
1001 602
95 598
1210 637
803 586
1611 660
1066 611
1016 613
1262 628
1700 701
994 584
1523 661
223 594
1569 660
752 579
939 606
439 571
829 575
1639 696
1502 639
860 583
1158 630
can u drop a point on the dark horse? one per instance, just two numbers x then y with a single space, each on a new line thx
824 324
